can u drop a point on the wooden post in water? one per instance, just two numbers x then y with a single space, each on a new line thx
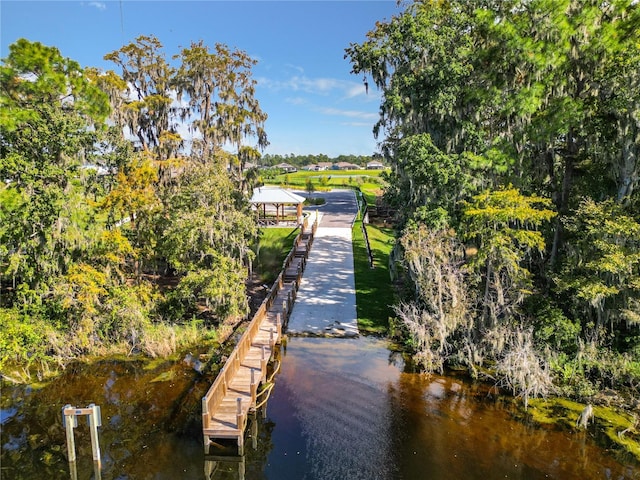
70 416
263 364
240 423
278 329
253 387
94 422
70 424
278 319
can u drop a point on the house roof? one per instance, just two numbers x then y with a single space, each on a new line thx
347 165
275 195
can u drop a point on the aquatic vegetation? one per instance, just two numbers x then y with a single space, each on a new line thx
620 429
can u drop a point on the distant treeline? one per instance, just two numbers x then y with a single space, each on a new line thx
302 160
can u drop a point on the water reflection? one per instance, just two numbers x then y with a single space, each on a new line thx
347 410
341 409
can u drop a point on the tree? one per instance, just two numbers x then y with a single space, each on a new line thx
219 93
421 60
602 268
211 94
440 321
207 233
504 223
50 112
145 107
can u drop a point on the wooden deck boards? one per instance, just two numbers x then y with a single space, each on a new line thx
223 420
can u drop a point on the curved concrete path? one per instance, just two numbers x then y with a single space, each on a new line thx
326 301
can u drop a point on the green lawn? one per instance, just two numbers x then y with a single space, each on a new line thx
371 192
329 178
374 292
273 247
368 181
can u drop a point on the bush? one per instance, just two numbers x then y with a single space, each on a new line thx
126 313
216 289
551 327
23 340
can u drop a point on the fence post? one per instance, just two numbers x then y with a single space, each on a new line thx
69 424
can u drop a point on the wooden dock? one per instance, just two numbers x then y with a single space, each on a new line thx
234 393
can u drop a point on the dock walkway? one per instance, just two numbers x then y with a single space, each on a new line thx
234 393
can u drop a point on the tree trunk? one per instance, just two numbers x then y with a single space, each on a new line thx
563 200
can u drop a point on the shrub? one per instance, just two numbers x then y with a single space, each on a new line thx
23 340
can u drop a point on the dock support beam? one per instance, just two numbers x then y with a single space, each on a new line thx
240 420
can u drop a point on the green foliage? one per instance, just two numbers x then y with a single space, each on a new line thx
593 370
127 314
309 187
426 178
301 161
205 219
551 327
216 287
602 266
504 223
23 339
54 117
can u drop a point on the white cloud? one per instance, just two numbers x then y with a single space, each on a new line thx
98 5
320 86
295 67
296 100
355 90
348 113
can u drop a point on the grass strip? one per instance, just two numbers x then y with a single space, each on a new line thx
374 291
273 247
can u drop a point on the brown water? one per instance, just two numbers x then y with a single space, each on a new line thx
341 409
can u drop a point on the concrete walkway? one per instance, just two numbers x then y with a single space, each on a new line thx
326 301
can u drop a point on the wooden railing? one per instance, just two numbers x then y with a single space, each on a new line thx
219 388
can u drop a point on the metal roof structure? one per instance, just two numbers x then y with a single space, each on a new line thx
275 196
278 198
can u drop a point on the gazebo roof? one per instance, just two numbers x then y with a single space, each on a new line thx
275 196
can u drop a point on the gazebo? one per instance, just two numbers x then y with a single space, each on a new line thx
276 198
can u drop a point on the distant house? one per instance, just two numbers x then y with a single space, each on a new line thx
324 166
375 165
345 166
286 168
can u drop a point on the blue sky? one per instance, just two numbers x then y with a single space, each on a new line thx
314 104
